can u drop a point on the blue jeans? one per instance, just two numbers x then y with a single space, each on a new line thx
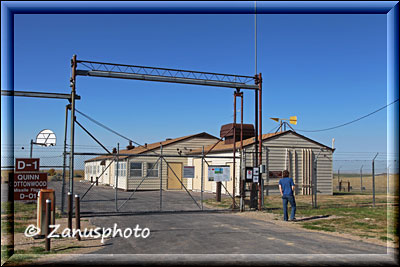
285 199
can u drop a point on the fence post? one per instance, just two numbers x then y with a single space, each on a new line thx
361 178
77 216
387 180
69 211
48 221
202 177
161 177
373 180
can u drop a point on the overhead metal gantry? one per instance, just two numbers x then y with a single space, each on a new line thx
134 72
111 70
38 94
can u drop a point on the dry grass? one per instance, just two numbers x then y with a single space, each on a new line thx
380 182
345 213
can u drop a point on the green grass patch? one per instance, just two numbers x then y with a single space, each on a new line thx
319 227
385 238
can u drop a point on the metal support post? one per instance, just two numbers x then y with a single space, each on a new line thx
202 178
48 222
235 94
218 192
72 136
116 180
31 151
77 216
69 210
161 187
64 158
242 182
260 183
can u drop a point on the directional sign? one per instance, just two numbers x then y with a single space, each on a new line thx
27 165
27 185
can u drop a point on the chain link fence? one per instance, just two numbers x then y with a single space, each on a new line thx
357 176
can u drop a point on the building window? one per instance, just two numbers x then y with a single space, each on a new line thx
135 169
121 169
152 170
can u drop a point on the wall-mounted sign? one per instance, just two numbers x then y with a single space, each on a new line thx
219 173
188 171
249 174
275 174
255 178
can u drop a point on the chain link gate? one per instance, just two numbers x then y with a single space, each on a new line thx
134 183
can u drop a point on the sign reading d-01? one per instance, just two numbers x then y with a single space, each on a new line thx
27 185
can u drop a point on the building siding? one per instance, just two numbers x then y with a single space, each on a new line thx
279 153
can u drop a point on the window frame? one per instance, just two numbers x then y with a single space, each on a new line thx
130 169
152 170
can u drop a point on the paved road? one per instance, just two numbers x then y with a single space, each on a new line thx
208 232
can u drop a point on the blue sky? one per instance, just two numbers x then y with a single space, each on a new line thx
326 69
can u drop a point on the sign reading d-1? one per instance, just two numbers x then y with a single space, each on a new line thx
26 165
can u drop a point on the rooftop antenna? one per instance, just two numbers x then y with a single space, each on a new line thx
283 123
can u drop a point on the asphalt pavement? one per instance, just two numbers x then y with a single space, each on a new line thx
182 228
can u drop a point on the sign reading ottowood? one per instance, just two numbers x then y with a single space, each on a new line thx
27 185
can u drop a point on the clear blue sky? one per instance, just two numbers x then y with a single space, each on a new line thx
326 69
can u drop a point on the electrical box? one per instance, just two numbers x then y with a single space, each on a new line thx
249 174
262 169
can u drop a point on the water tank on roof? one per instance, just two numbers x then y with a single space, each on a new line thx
228 132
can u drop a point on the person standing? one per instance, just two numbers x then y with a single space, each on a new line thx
286 187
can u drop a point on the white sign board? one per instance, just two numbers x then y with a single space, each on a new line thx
256 171
249 174
188 171
255 178
219 173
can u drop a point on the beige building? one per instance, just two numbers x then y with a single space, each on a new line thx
142 165
303 157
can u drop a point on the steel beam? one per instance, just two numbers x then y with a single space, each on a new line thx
37 94
156 78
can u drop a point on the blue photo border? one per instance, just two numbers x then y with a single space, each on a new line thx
390 8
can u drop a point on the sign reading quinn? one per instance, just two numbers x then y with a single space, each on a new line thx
27 185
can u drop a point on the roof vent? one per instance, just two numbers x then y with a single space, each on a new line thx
130 146
167 139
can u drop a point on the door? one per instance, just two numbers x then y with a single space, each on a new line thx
173 182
